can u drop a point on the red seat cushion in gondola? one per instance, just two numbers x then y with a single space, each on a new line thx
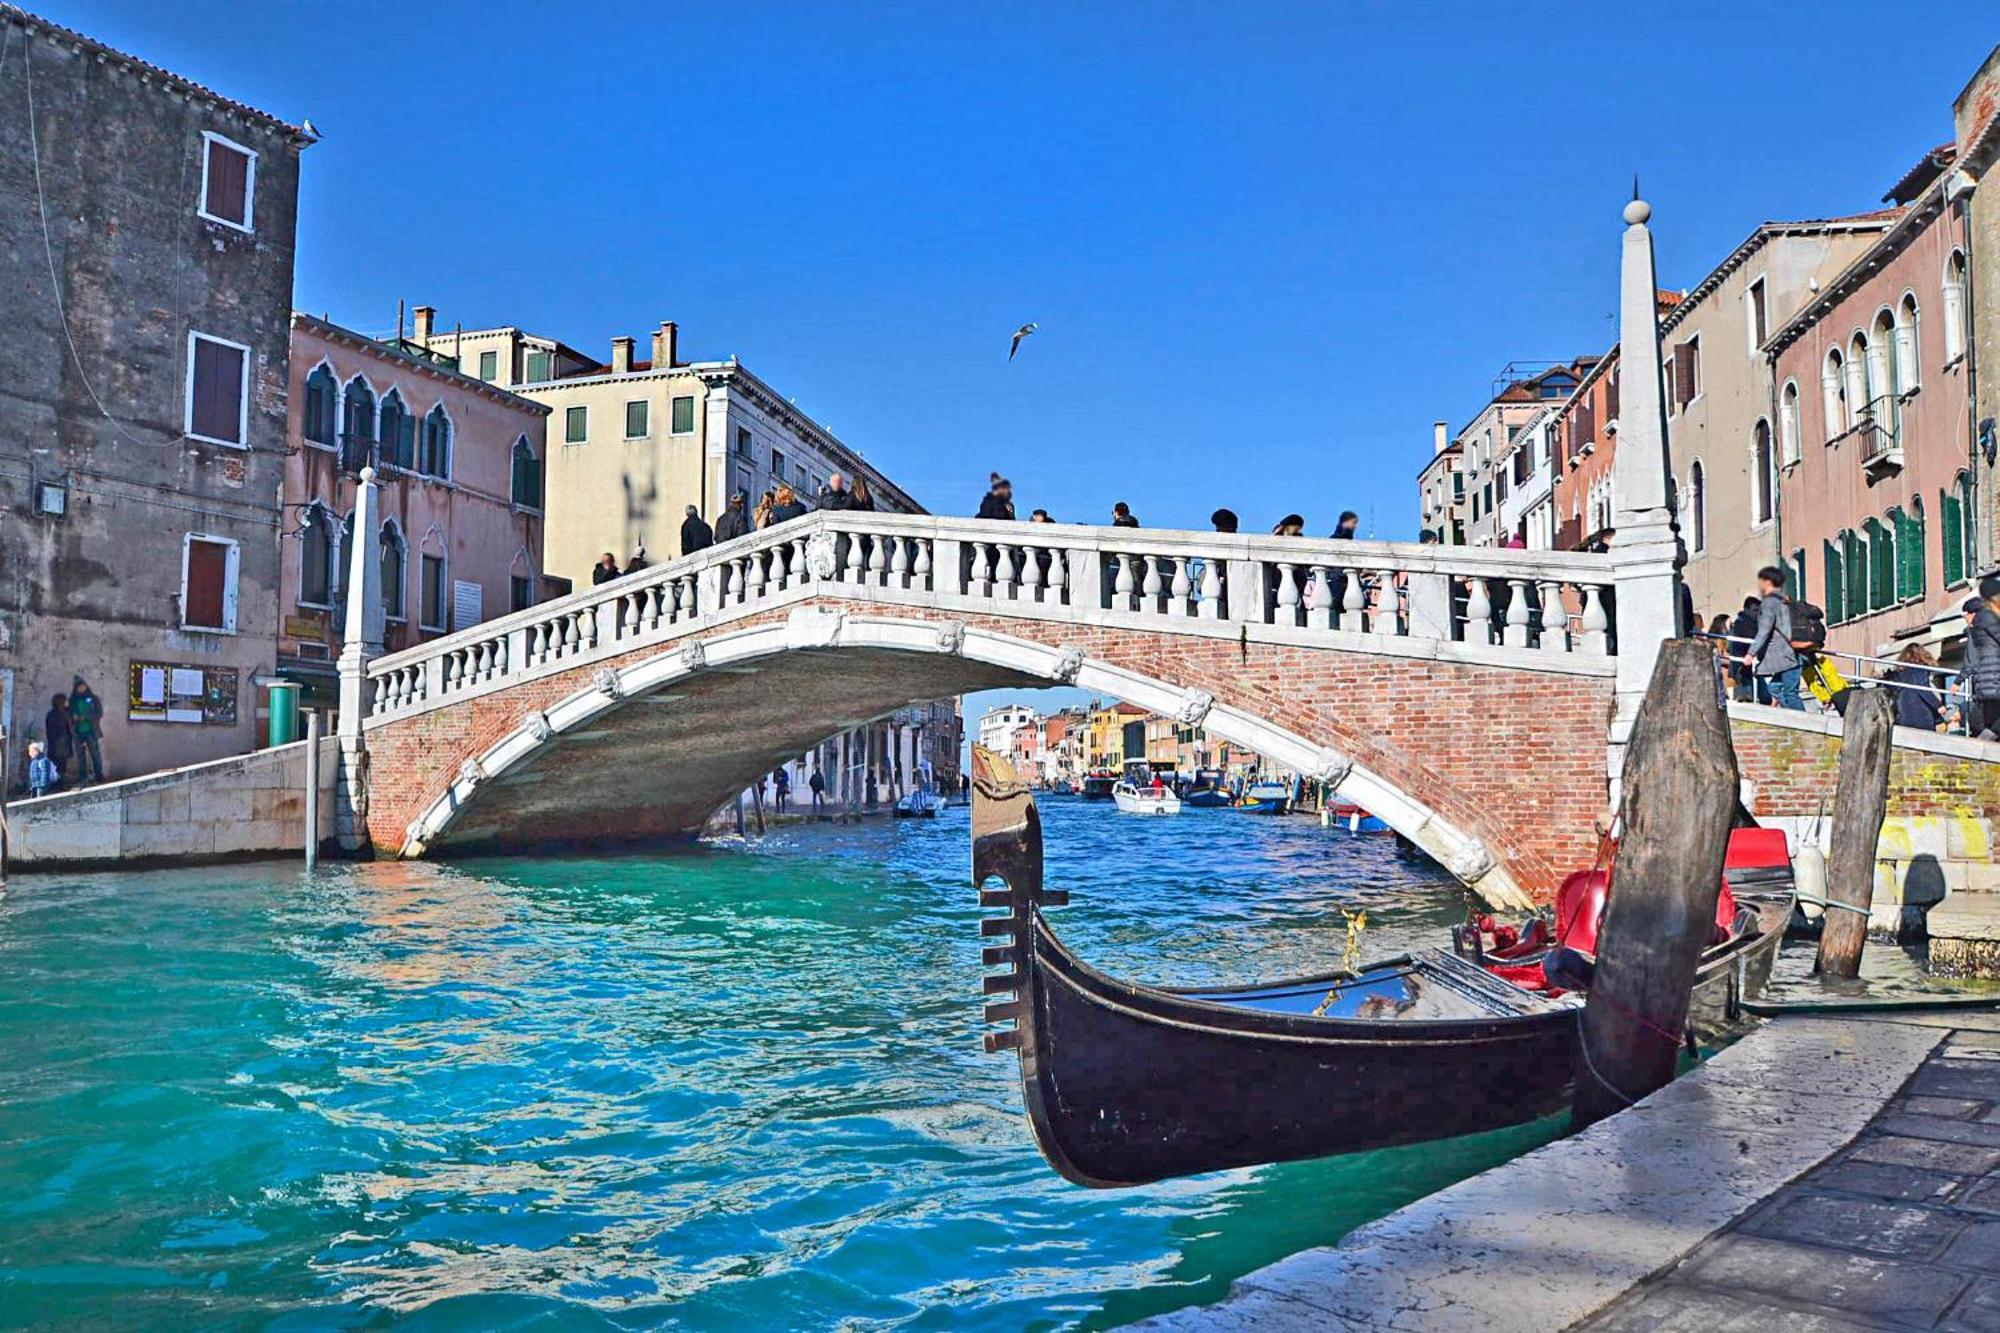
1758 849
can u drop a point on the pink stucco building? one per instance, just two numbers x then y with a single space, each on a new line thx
461 466
1871 415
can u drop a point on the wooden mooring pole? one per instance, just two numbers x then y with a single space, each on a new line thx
6 776
1680 789
1860 800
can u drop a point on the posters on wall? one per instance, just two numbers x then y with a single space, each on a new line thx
179 693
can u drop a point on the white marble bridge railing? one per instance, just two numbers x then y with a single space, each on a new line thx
1536 609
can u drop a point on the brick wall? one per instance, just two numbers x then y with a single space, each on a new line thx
1794 774
1513 757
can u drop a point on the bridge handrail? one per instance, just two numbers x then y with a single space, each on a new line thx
1541 601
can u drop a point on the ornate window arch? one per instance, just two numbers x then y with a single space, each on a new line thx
1788 424
399 431
319 415
1833 392
1954 306
319 555
395 572
1909 347
434 459
527 487
1697 507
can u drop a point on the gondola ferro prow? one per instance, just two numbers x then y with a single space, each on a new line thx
1007 845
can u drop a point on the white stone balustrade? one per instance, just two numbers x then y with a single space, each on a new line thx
1541 610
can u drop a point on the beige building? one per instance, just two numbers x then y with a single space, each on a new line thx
1723 433
1970 291
632 443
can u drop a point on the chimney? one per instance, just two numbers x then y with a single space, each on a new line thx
667 346
621 356
1440 436
426 317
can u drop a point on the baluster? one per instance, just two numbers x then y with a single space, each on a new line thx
1478 612
1555 620
920 567
1516 633
1122 587
853 570
537 638
1003 573
872 563
1031 573
1211 587
1385 619
1058 577
1320 612
756 580
796 575
1595 624
629 611
1288 595
1152 587
1353 602
899 562
1180 588
982 569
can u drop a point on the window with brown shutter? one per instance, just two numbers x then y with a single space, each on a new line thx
228 181
208 599
1686 381
217 374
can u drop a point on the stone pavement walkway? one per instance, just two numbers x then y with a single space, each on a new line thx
1899 1230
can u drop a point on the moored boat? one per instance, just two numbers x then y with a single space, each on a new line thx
1098 786
1126 1083
1266 797
1208 791
919 804
1354 819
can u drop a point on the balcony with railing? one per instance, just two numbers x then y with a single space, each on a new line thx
1880 431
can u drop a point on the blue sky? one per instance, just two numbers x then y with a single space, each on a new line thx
1267 245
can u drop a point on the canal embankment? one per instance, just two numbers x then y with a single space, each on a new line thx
1825 1172
227 809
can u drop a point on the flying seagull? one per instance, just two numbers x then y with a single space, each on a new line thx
1019 334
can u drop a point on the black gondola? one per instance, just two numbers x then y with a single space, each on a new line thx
1125 1083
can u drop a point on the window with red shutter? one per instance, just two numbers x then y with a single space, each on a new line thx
205 593
216 382
228 181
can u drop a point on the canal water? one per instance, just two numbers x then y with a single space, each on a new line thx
735 1088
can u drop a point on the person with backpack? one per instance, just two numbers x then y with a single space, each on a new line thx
1982 655
1744 628
1817 673
1771 657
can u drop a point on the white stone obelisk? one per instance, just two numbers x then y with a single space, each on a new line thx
1646 543
361 643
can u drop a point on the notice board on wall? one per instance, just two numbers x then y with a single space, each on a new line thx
182 693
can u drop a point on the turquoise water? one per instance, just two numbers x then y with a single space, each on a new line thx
733 1088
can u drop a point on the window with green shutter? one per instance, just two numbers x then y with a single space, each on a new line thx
684 416
576 424
1836 606
1968 529
489 366
1909 550
538 367
636 423
1855 556
1951 532
1881 565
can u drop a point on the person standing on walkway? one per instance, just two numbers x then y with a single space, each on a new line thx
86 720
695 534
734 521
786 506
1918 702
781 786
605 570
761 516
1982 654
1121 516
1771 655
835 495
56 736
41 773
1743 629
1224 520
818 785
638 560
863 498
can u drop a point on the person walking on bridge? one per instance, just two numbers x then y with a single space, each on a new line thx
835 495
1982 657
605 570
1121 516
999 501
787 506
734 520
695 534
864 499
1771 655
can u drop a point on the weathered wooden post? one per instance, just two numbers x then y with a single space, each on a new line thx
1679 795
1859 802
4 780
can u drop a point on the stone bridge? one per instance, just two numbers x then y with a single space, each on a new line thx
631 711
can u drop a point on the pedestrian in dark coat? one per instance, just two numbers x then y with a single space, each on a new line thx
1918 703
56 738
638 560
86 728
999 501
835 495
605 570
1982 653
734 520
695 534
1121 516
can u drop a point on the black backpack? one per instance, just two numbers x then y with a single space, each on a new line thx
1808 626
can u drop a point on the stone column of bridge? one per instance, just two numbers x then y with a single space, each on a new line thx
1646 541
361 643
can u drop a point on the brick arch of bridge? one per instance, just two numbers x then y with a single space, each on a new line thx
1496 771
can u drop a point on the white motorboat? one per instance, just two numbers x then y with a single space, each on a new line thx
1148 800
